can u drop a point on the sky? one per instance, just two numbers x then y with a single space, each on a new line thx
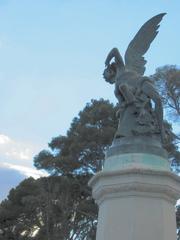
52 55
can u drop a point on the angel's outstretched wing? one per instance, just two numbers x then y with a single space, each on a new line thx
134 59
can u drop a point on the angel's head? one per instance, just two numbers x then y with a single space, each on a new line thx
109 73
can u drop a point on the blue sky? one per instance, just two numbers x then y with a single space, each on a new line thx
52 56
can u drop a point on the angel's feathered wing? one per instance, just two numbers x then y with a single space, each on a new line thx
134 59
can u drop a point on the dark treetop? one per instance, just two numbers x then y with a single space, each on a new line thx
135 92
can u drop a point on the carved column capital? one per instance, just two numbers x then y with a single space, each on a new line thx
135 182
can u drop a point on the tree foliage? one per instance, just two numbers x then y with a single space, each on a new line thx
57 207
167 80
83 148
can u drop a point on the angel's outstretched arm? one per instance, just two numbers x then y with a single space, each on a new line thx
114 53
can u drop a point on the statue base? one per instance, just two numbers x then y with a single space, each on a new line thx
136 192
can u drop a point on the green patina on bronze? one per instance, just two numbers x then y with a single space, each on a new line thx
142 160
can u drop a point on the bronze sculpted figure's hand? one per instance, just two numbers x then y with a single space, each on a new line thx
133 91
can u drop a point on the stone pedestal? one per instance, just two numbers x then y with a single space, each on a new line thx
136 192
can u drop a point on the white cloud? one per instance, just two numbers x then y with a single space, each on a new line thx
27 171
4 139
19 156
16 152
24 154
14 149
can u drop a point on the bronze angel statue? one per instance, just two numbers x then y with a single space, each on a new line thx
140 108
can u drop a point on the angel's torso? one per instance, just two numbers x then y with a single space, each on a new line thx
131 79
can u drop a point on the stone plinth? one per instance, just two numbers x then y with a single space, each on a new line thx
136 194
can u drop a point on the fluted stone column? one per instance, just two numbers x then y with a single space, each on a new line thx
136 192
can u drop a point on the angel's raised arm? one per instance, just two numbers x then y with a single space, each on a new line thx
114 53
